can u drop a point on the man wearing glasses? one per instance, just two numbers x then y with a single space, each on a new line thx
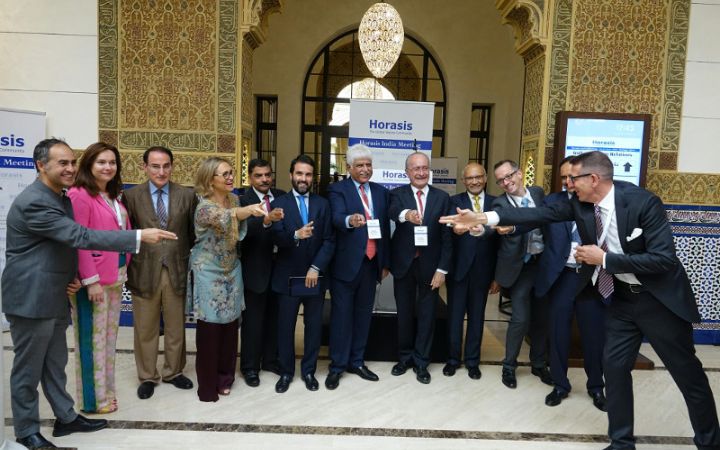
158 274
516 270
558 277
629 258
470 280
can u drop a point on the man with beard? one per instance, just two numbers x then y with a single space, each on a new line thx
258 339
360 218
306 243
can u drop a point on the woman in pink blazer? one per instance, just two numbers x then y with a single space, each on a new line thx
96 307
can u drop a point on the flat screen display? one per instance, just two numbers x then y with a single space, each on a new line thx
623 137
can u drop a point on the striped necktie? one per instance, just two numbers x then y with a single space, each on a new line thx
605 283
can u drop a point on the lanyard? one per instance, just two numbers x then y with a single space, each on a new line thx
116 206
364 194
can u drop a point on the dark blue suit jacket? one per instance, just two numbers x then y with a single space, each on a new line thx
294 258
467 248
256 252
351 243
438 253
650 256
558 239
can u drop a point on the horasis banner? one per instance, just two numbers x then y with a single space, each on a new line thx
392 130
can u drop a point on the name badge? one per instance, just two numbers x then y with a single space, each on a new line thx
573 249
373 229
421 236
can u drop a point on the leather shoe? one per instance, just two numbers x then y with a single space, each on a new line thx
180 382
251 378
400 368
449 369
311 383
364 373
474 372
283 384
35 441
333 380
146 390
509 379
599 400
555 397
81 424
422 374
544 374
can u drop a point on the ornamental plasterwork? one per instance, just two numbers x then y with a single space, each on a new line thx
254 19
528 21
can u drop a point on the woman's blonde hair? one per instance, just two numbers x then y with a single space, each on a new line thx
205 174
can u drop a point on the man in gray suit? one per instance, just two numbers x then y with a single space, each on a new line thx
158 275
39 273
516 271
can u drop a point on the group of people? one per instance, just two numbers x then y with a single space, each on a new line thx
242 266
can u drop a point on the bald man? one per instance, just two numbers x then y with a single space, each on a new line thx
471 277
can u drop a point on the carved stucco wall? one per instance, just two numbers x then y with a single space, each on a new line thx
178 73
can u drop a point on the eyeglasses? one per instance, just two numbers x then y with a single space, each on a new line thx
506 178
227 175
573 178
475 178
156 167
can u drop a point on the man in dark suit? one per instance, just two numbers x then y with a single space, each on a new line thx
306 244
516 271
40 272
629 257
558 278
158 274
362 259
471 277
421 252
258 334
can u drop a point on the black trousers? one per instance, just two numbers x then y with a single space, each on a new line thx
258 334
416 306
630 317
288 308
468 295
216 357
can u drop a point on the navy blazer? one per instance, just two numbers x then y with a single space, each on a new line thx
467 248
295 257
256 249
351 243
513 246
438 253
650 257
558 242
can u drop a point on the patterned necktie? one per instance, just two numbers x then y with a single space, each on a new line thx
371 244
161 211
303 209
266 199
476 203
605 283
524 203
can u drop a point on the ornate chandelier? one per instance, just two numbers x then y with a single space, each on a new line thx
381 38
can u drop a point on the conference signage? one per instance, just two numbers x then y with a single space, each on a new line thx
621 140
20 131
444 172
392 130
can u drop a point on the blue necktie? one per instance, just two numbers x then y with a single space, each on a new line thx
303 209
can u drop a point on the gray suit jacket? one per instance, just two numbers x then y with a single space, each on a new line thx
41 255
145 267
512 246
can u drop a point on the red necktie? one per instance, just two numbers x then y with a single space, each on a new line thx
420 203
266 198
371 244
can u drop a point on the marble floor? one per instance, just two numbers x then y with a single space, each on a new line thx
394 413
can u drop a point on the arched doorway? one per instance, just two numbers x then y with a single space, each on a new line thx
337 74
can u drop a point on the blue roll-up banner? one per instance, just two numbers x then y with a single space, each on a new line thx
392 130
20 131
